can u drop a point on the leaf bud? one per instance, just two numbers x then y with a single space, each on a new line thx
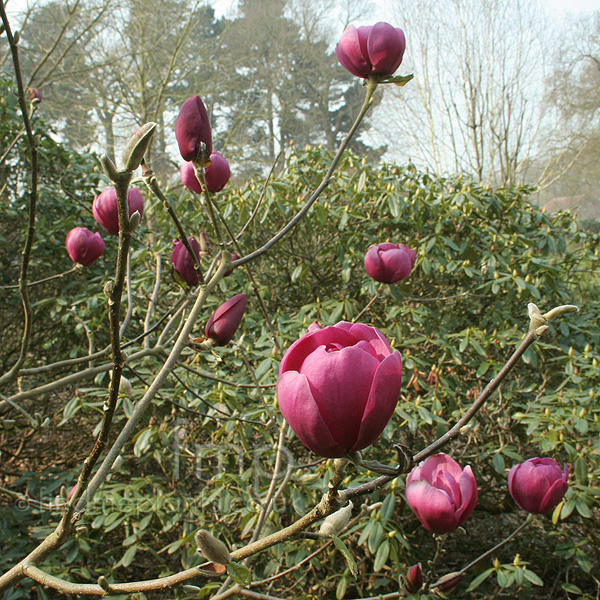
212 549
134 220
109 167
137 145
336 522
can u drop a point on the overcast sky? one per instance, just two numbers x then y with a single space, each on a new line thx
555 7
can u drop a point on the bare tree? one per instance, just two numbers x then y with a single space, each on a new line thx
478 90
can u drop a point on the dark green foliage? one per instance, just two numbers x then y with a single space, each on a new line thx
203 457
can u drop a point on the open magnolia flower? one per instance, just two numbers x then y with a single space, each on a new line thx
441 494
338 387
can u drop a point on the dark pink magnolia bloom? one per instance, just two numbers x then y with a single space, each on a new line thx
106 210
338 387
193 128
389 263
83 246
413 580
183 263
538 484
223 324
217 174
373 49
441 494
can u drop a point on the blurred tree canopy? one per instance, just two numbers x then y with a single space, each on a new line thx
267 76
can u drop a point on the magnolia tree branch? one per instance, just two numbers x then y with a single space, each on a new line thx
538 324
152 184
61 534
371 86
75 267
11 375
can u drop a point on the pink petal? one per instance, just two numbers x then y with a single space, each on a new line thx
300 349
340 383
350 53
468 493
437 463
386 47
382 401
299 409
432 507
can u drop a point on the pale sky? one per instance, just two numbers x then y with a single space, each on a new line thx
556 7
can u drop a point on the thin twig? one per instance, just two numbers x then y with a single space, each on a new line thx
206 375
269 412
40 281
152 183
491 550
371 86
261 197
129 299
153 299
32 205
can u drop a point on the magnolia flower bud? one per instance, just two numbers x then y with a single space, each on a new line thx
449 581
413 580
35 94
389 263
192 129
106 210
212 549
183 263
83 246
336 522
223 324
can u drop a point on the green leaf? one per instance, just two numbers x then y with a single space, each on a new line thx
342 585
382 555
583 509
571 588
532 577
129 555
498 462
479 579
581 470
239 573
349 558
399 80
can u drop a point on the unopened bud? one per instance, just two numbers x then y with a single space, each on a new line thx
449 582
109 167
336 522
413 580
212 549
134 220
137 145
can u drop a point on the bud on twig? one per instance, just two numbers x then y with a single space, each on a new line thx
109 167
413 580
212 549
134 220
336 522
137 145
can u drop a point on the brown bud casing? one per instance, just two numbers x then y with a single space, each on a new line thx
212 549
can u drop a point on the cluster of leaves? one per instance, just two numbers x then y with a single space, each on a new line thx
205 454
